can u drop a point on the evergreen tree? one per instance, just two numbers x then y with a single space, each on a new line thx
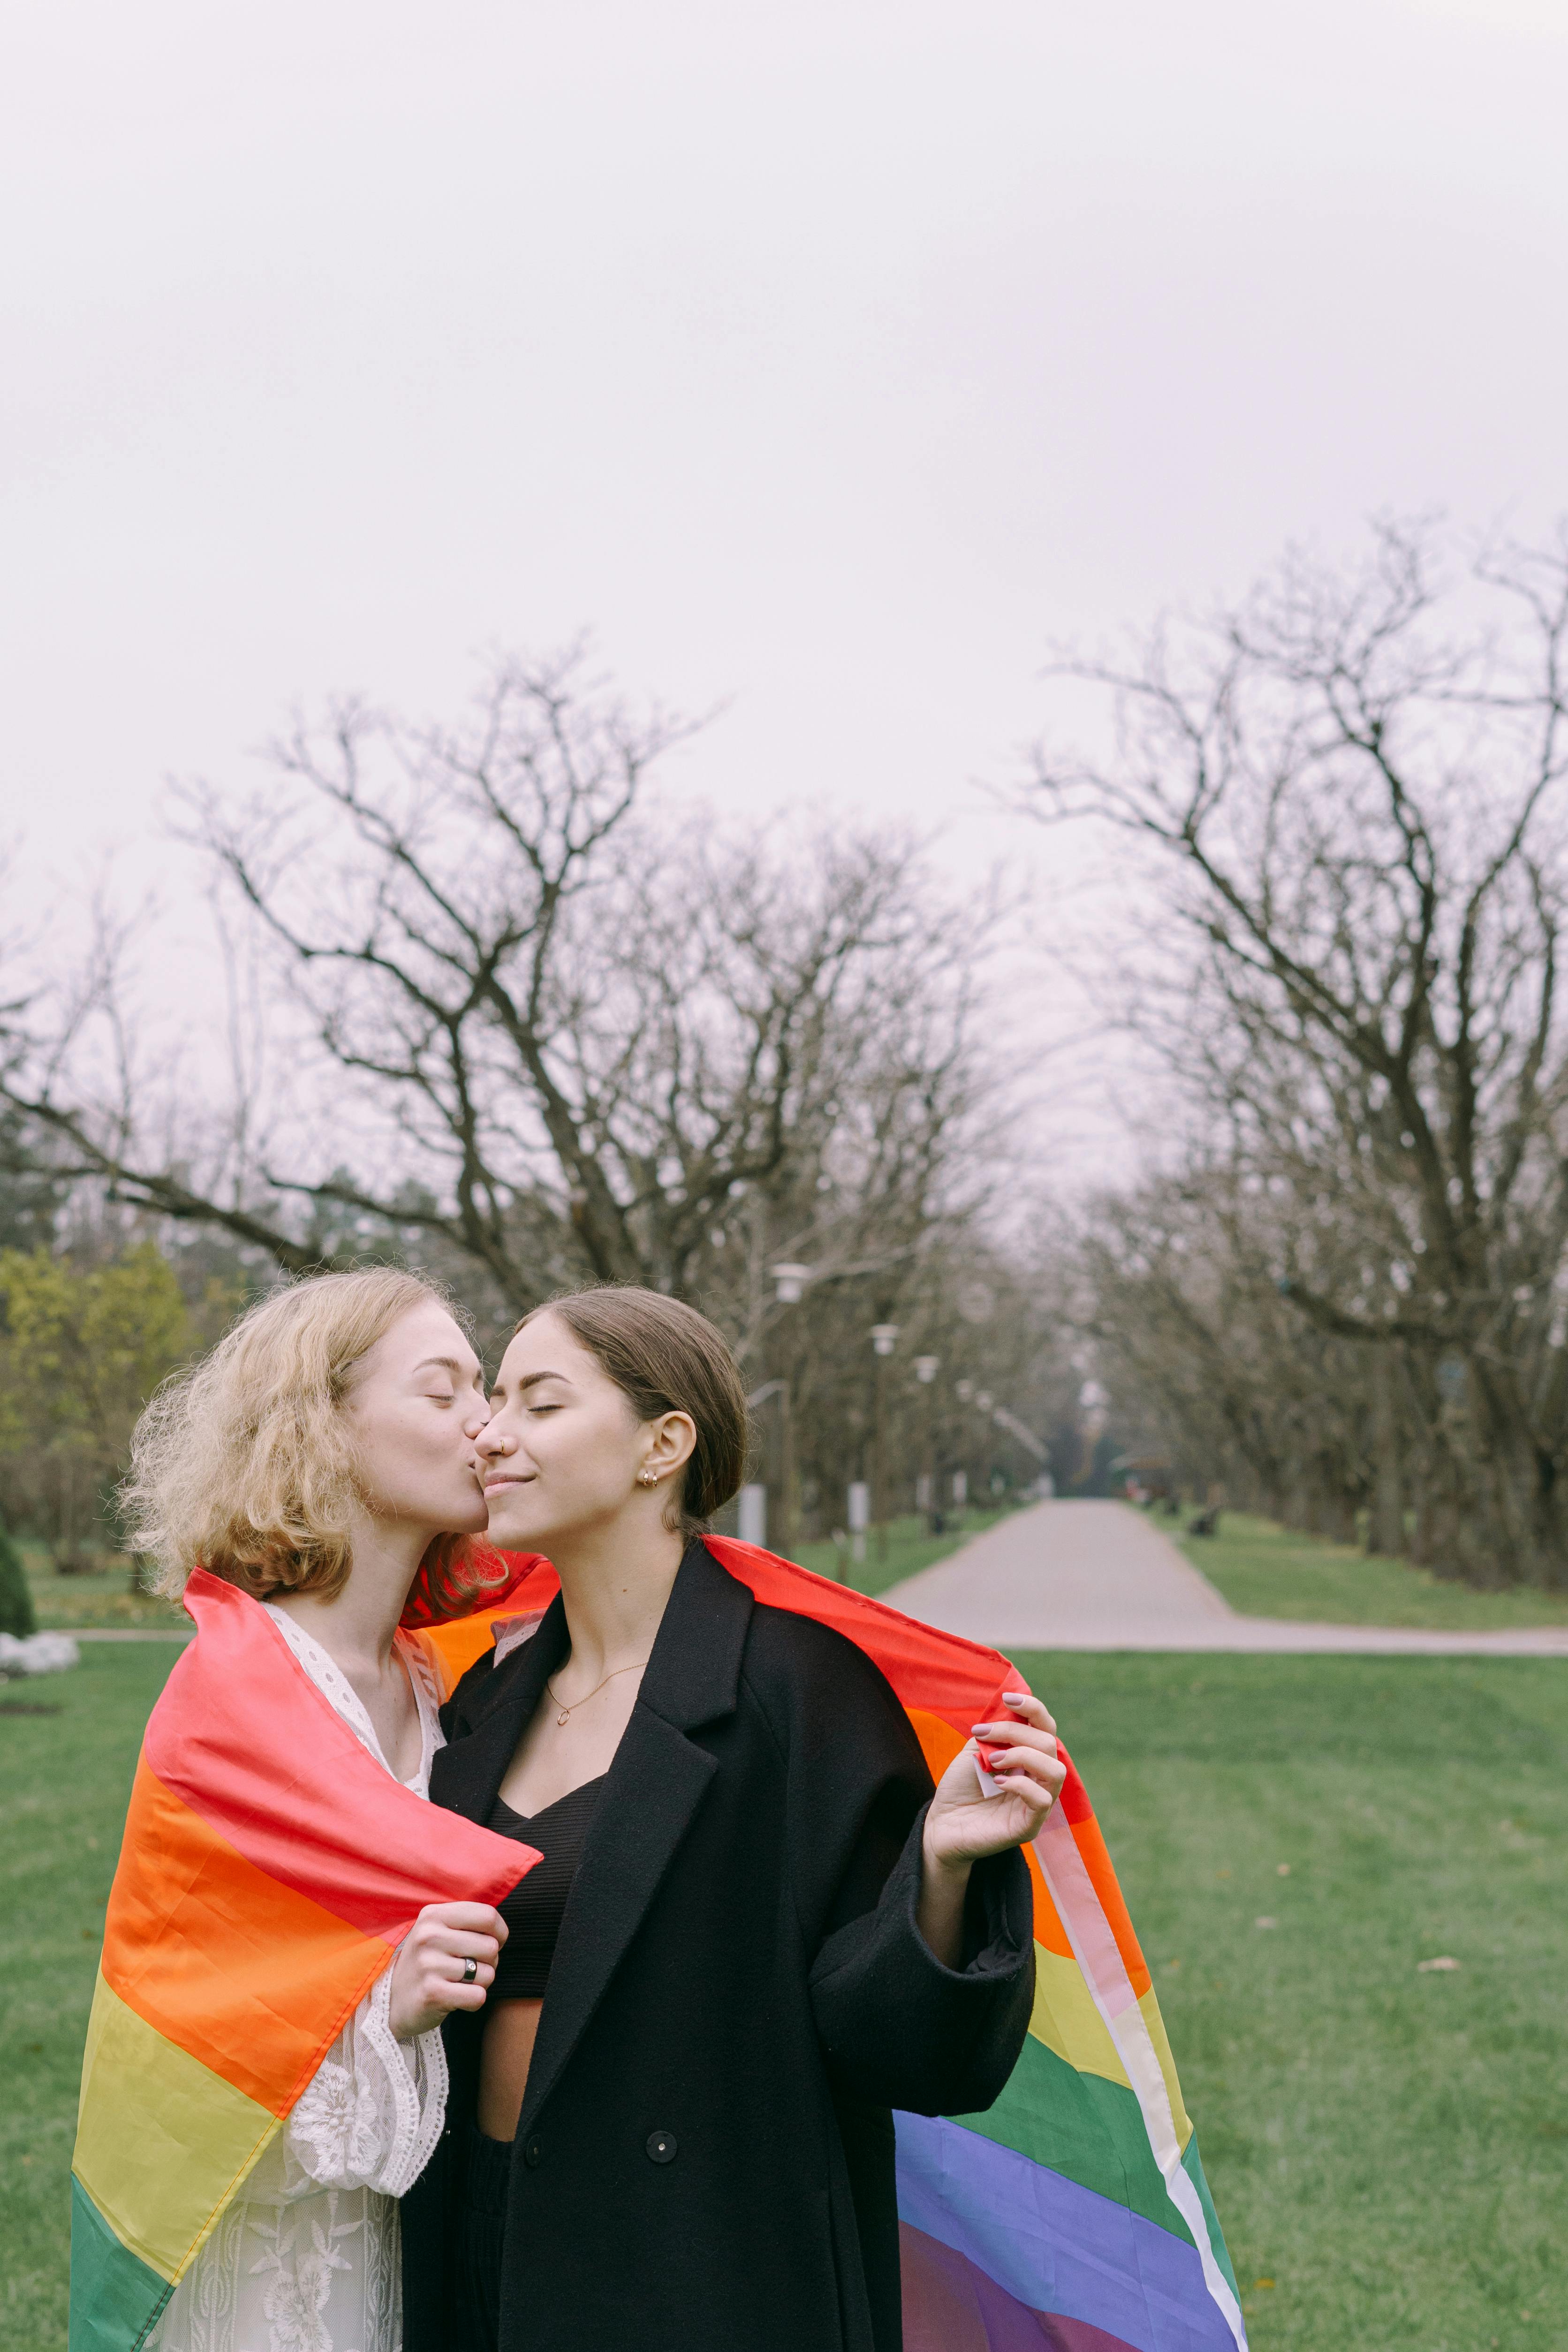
15 1596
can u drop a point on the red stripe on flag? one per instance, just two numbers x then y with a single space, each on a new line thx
939 1674
244 1738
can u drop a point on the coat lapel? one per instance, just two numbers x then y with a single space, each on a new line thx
655 1785
465 1776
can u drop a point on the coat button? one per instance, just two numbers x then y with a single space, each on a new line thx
662 2147
532 2151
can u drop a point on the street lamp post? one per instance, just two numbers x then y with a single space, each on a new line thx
883 1340
925 1370
965 1393
790 1283
984 1450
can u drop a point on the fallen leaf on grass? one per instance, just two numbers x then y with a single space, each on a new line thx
1263 2282
1265 1922
1445 1960
1282 1869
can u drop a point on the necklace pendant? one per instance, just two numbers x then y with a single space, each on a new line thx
561 1717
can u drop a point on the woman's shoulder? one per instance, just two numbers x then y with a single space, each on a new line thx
795 1661
833 1720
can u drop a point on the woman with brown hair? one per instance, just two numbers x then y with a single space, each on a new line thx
318 1462
757 1927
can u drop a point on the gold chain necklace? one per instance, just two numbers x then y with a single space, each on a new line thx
566 1712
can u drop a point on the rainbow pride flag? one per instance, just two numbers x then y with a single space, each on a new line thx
270 1869
1072 2216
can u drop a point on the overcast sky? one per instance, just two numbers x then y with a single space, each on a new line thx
827 360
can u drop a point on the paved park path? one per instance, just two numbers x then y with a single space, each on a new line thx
1101 1576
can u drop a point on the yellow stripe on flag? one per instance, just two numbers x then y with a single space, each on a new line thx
161 2141
1156 2025
1066 2020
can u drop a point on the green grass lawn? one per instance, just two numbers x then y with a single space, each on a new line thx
63 1780
1389 2147
102 1597
1265 1570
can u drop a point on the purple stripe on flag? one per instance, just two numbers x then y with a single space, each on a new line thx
1053 2246
950 2305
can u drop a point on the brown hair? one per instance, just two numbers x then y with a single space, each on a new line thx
664 1357
243 1465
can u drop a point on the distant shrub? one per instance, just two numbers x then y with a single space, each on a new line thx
15 1596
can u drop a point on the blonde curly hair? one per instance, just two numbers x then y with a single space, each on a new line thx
244 1463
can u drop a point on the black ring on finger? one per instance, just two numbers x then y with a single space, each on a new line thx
470 1968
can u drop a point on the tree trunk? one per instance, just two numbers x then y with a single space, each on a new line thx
1517 1532
1385 1508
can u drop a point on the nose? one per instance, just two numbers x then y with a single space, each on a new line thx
478 1416
491 1438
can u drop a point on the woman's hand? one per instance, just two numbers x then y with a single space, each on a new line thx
963 1825
429 1979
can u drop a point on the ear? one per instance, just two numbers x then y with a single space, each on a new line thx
674 1441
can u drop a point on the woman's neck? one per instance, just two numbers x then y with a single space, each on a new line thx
615 1585
358 1625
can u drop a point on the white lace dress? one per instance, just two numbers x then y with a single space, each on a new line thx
308 2259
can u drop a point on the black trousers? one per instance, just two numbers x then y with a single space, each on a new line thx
486 2165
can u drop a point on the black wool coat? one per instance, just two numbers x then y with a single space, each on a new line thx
704 2157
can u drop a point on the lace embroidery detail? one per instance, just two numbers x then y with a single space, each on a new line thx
337 2126
430 2115
372 2113
297 2266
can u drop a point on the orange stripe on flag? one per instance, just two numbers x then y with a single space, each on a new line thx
1103 1878
460 1643
244 1974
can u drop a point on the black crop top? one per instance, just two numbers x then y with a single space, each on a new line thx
533 1909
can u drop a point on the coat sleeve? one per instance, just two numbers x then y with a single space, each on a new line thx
899 2027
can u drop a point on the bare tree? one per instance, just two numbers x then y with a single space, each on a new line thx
1205 1356
540 1036
1353 791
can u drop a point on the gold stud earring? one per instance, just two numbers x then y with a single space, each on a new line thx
647 1477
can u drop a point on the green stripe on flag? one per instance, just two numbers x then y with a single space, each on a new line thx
1085 2128
1192 2166
115 2297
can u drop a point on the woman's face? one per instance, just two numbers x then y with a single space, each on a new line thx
563 1450
416 1406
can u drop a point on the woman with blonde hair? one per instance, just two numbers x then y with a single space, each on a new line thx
291 1922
